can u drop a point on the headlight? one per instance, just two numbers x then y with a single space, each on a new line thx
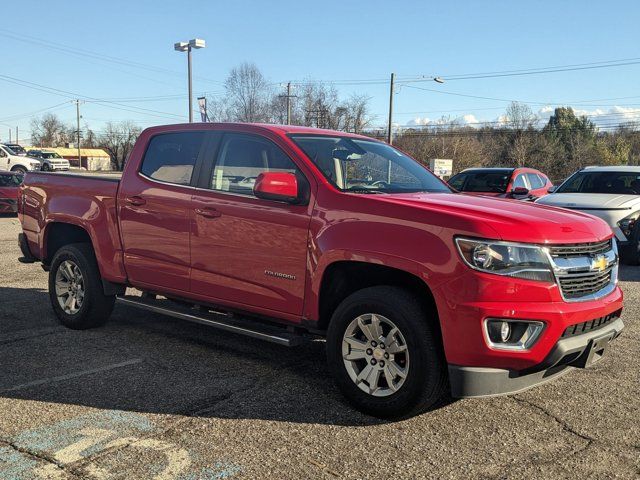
530 262
627 224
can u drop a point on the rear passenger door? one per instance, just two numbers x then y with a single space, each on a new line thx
247 251
154 211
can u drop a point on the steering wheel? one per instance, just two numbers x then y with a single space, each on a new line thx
379 183
248 179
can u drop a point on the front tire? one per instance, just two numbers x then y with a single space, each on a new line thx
46 167
75 288
21 170
385 353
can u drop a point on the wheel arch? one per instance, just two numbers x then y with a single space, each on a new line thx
344 277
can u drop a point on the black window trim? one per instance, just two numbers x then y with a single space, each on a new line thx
196 167
206 171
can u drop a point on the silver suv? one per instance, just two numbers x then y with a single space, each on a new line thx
611 193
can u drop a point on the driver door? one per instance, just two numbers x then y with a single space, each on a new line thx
246 250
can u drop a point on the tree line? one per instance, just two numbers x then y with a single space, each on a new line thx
566 143
562 145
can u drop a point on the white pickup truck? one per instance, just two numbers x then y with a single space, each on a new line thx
17 163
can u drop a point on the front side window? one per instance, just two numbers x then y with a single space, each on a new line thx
49 155
535 181
366 166
242 159
623 183
519 181
171 157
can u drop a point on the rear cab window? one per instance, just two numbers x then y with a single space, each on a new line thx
171 157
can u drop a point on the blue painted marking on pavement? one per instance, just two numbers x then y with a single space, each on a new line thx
60 435
15 465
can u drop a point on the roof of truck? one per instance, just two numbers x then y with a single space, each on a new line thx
286 129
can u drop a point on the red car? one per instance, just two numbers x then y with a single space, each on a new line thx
282 233
9 187
518 183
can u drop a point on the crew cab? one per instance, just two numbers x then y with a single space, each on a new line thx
611 193
17 149
518 183
9 186
288 233
51 161
10 161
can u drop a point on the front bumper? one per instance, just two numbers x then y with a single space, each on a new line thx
576 351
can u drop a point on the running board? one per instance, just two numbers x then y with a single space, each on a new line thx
222 321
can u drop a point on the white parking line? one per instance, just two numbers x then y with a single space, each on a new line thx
69 376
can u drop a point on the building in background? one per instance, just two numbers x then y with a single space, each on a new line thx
92 159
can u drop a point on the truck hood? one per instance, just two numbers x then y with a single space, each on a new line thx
591 201
512 220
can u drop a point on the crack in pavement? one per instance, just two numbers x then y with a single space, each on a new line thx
565 426
39 456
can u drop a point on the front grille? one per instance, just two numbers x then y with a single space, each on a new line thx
590 325
577 285
580 249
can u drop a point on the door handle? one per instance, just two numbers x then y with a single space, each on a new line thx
208 212
135 200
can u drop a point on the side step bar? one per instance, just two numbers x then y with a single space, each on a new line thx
249 328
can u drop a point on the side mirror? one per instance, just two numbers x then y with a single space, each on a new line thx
520 192
552 188
278 186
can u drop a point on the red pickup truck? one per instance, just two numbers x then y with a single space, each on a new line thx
286 233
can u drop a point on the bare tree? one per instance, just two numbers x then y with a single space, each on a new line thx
118 140
49 131
520 121
248 94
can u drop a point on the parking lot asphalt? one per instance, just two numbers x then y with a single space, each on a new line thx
148 396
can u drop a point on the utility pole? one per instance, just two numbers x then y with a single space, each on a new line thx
190 87
389 133
17 137
288 96
78 119
10 135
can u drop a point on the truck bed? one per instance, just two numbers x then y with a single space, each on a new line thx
87 201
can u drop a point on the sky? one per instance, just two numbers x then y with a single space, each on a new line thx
118 56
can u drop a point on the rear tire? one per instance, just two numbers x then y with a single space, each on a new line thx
417 345
75 288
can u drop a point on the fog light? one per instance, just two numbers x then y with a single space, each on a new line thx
502 334
505 331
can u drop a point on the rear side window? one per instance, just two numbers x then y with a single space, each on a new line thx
171 157
242 158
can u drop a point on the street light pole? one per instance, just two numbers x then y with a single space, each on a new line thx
390 122
187 47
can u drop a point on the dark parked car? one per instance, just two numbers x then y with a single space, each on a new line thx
518 183
9 186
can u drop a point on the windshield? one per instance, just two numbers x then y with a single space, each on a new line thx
17 149
366 166
50 155
10 180
488 181
625 183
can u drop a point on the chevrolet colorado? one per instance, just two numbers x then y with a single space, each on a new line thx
284 233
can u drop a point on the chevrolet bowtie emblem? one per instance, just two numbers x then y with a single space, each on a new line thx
599 263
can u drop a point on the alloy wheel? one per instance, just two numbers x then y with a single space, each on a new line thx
69 286
375 355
